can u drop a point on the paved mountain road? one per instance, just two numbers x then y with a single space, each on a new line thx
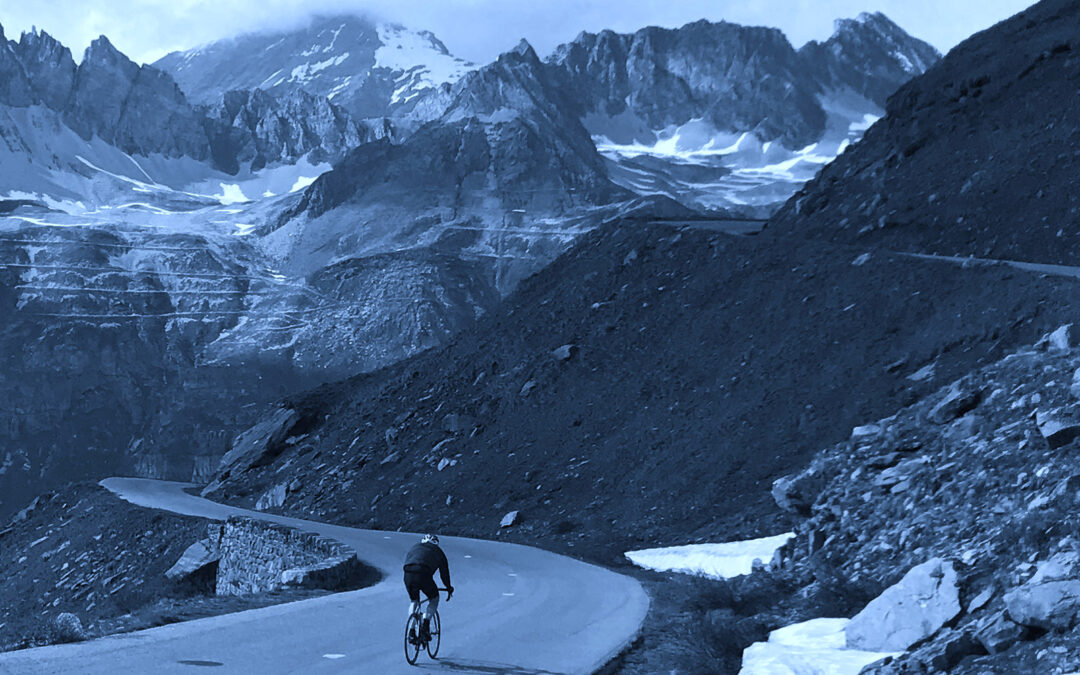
516 610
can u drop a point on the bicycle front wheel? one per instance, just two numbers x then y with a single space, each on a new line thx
412 639
436 635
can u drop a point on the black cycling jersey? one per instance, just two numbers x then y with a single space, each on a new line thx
426 558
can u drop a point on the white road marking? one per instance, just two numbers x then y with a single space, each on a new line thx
508 594
511 574
333 656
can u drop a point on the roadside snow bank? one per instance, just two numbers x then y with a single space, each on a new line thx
716 561
815 647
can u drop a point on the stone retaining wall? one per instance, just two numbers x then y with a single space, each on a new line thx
258 556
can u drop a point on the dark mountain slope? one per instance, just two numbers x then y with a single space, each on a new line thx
646 387
976 157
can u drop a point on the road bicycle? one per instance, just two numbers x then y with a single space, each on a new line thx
413 640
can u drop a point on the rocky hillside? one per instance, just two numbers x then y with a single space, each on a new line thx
83 553
642 352
979 475
80 563
974 158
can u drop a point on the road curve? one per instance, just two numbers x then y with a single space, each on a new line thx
517 610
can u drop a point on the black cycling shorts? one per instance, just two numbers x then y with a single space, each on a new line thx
421 581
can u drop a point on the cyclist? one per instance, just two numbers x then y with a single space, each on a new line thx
420 565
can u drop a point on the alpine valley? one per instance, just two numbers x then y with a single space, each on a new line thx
186 242
777 335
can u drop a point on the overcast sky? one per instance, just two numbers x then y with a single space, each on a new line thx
477 30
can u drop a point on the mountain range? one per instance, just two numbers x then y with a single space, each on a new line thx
226 230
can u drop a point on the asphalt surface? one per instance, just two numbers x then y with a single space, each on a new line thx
516 610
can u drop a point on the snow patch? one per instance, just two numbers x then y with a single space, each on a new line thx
302 182
231 194
868 121
715 561
815 647
303 74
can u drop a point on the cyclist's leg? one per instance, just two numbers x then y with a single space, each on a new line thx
432 592
412 587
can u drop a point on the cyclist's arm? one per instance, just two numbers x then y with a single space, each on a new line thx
444 572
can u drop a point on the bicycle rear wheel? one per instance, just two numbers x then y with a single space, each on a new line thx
412 648
436 635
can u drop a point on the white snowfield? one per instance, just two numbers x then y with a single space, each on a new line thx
815 647
422 61
516 609
716 561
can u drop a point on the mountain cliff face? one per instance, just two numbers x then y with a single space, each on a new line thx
256 128
141 111
735 77
368 68
968 156
722 115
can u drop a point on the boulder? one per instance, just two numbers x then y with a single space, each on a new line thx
865 433
796 494
1074 386
1060 566
1059 426
909 611
1052 605
1058 341
958 401
563 353
68 628
997 632
194 560
509 519
261 442
272 498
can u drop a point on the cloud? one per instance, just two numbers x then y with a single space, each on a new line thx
475 29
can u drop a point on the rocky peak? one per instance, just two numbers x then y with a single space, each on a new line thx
525 50
14 87
869 54
49 67
102 83
101 52
40 46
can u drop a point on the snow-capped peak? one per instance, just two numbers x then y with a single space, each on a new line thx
420 60
368 68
